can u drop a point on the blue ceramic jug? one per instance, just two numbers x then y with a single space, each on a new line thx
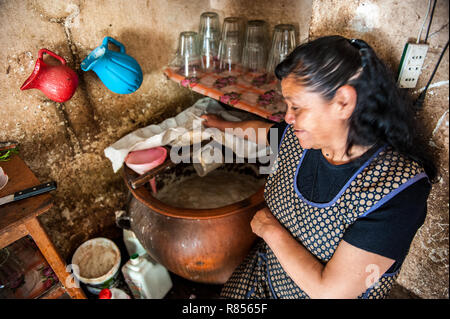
117 70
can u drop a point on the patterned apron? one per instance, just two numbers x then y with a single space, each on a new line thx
318 227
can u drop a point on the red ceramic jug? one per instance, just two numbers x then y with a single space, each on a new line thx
57 82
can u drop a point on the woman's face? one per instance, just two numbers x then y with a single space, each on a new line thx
312 117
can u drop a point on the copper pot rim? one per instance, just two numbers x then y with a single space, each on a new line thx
144 196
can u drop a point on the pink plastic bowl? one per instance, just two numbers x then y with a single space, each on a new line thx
144 160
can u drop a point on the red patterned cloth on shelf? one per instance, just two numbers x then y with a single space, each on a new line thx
247 91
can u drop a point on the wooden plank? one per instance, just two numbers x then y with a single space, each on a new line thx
20 177
11 234
54 293
53 258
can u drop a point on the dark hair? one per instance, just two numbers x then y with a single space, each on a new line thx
382 113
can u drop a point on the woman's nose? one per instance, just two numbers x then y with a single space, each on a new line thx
289 117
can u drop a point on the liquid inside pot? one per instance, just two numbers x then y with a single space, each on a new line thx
221 187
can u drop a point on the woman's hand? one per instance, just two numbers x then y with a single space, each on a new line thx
212 120
263 222
240 128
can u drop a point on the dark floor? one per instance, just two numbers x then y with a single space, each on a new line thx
186 289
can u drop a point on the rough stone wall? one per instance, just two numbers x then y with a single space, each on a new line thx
387 25
65 141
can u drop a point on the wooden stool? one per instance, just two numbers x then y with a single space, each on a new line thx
19 219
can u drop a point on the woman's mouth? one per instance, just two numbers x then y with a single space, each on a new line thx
300 133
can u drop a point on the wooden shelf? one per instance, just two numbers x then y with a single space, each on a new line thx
20 218
55 292
240 90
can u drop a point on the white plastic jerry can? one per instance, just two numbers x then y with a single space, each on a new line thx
132 243
146 279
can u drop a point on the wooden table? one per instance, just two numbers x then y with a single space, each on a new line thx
20 219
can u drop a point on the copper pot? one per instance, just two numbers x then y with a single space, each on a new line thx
202 245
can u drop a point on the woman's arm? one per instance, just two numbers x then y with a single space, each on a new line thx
347 274
255 131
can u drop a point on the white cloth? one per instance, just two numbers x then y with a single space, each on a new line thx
185 129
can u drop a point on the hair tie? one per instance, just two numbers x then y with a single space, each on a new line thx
363 50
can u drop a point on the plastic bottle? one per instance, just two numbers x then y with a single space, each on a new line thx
132 243
113 293
146 279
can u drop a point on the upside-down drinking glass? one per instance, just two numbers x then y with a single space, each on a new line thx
209 37
230 48
187 58
283 42
254 54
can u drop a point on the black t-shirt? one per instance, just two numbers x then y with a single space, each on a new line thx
388 230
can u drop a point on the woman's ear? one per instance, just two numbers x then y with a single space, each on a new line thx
345 101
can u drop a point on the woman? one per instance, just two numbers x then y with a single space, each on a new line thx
349 187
